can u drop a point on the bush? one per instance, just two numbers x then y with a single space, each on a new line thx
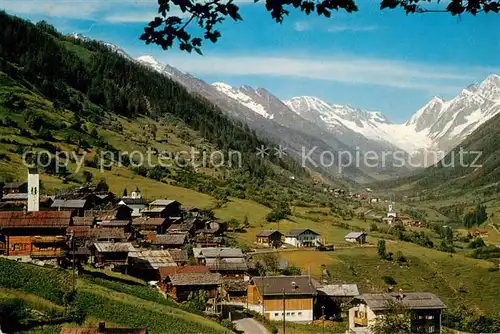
477 243
389 280
228 324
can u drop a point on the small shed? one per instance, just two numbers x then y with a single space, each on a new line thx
180 285
356 237
269 237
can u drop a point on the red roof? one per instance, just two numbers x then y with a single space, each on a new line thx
38 219
166 271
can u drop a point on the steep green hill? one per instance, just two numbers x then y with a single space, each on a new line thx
45 303
63 94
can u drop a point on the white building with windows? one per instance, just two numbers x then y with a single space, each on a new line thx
302 237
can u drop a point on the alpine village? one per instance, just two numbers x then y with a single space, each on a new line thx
270 246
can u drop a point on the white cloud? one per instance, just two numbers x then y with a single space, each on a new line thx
342 28
337 68
301 26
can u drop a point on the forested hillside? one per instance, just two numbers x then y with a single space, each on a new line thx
58 92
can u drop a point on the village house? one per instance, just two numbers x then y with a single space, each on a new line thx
113 255
169 270
230 262
119 212
266 295
20 200
166 241
356 237
125 225
39 234
145 264
15 188
156 225
182 227
179 285
209 230
426 310
302 237
271 238
169 208
78 206
337 299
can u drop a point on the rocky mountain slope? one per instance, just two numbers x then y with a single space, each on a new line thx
438 126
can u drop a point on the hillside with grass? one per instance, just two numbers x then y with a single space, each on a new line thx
35 299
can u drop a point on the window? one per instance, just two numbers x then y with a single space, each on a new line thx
431 329
300 313
16 247
293 313
429 317
420 317
287 313
276 314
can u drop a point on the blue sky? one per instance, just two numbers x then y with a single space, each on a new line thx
376 60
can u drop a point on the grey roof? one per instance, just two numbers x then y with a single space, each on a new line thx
14 185
169 239
114 247
339 290
238 264
195 279
293 285
411 300
179 255
115 223
15 197
83 221
267 233
298 231
133 201
71 203
163 202
154 210
155 258
354 235
222 252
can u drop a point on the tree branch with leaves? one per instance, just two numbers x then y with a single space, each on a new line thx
168 30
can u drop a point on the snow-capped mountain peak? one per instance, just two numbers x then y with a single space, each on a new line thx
151 62
243 96
490 88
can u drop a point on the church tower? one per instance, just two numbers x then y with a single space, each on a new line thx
136 194
33 190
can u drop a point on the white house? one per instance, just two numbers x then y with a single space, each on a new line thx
302 237
369 307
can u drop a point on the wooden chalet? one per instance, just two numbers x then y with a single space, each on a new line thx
266 294
182 227
84 221
125 225
145 264
40 234
230 262
166 241
15 188
164 272
179 285
120 212
112 254
157 225
180 256
78 206
269 237
171 208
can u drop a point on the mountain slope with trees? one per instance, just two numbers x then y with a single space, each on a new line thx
65 93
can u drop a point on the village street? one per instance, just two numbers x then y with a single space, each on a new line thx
250 326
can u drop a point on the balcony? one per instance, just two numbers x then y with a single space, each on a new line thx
361 321
48 240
